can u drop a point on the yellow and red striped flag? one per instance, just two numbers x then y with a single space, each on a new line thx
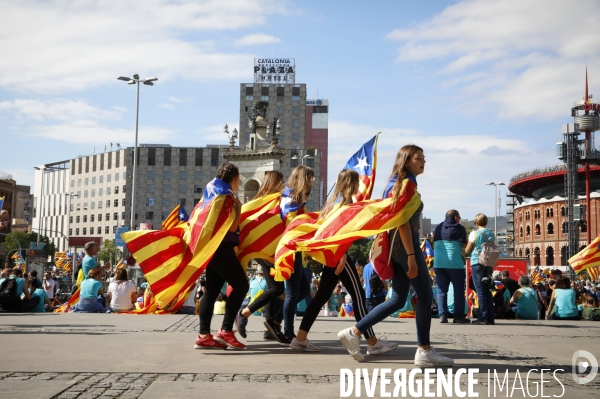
176 217
344 225
261 229
65 307
172 260
587 257
593 272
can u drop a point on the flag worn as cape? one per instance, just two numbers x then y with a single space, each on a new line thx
587 257
172 260
261 229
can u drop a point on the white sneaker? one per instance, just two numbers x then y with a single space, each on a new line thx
382 346
352 343
430 358
305 346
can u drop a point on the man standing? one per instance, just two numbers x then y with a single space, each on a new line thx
510 284
49 285
450 238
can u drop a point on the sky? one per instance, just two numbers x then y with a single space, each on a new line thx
482 86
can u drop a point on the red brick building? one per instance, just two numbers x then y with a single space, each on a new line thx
540 229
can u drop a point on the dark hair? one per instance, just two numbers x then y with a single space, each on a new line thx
17 272
505 273
35 283
227 172
33 273
563 283
121 274
400 169
452 213
273 183
89 245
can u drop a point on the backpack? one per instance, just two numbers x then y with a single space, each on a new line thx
489 252
8 293
381 255
375 283
591 314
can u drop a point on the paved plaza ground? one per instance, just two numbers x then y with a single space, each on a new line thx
68 356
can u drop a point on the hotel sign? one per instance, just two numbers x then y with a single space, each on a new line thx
274 70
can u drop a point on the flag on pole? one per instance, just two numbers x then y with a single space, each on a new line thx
1 202
587 258
427 253
593 272
175 218
364 162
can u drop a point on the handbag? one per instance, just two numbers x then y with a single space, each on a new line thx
381 255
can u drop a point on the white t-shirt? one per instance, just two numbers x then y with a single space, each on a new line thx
190 300
121 294
50 291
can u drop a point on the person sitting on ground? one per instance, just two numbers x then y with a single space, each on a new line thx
139 292
90 289
121 293
34 274
17 299
562 303
49 285
91 249
38 292
525 301
511 285
220 304
590 302
4 274
333 303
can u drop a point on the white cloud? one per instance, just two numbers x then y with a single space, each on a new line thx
524 57
60 47
179 100
257 39
57 109
167 106
457 169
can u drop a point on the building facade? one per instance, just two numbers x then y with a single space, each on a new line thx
541 230
23 208
317 135
7 191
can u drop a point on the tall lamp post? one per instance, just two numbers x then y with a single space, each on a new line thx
495 207
232 137
131 81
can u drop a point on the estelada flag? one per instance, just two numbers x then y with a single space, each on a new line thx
587 257
427 253
364 162
261 228
172 260
346 224
175 218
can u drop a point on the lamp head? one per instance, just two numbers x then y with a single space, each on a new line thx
151 79
136 76
126 79
235 133
226 129
147 83
131 82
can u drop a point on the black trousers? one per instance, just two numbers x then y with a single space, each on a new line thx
223 267
269 296
349 277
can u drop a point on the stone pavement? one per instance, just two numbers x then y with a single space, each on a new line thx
81 356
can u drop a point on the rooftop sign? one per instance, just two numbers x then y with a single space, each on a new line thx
274 70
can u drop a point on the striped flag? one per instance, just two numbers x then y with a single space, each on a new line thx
364 162
348 223
587 257
427 253
593 272
261 229
172 260
535 275
65 307
175 218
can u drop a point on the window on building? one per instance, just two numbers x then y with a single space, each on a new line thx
77 231
107 190
166 188
196 200
521 232
280 93
310 204
91 230
197 189
123 202
295 110
182 175
124 189
101 179
166 175
151 175
183 157
70 232
564 227
116 203
198 157
72 183
99 204
150 188
295 136
182 189
116 216
295 122
151 156
528 231
310 162
84 218
563 211
116 177
108 203
538 230
108 177
198 175
100 192
149 215
167 156
99 217
123 215
293 162
106 230
166 202
70 219
264 98
107 217
295 98
550 228
86 181
84 231
279 110
77 219
93 192
149 201
78 182
249 97
92 216
214 157
116 189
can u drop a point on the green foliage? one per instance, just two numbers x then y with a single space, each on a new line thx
359 251
109 252
315 266
25 239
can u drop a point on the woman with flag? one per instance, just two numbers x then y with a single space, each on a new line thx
223 267
345 188
408 264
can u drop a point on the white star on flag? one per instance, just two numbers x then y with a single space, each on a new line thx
181 216
362 163
210 187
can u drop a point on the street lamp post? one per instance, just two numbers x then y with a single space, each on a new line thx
495 207
131 81
274 131
232 136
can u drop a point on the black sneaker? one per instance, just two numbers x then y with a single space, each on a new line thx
240 324
267 336
274 329
461 320
286 340
444 319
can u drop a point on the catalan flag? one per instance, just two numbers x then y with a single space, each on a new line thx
173 259
175 218
427 253
1 202
65 307
348 223
288 209
261 229
593 272
587 257
364 162
535 275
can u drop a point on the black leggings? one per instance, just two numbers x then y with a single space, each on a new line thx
270 295
349 277
223 267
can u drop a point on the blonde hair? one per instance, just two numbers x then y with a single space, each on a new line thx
94 272
273 183
400 168
300 183
345 187
481 220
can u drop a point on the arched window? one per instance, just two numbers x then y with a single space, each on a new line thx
549 256
536 256
520 216
538 230
563 211
563 255
527 231
527 252
547 212
527 215
551 212
550 228
521 231
563 227
521 252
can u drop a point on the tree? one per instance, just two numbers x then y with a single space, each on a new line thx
359 251
25 239
109 252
